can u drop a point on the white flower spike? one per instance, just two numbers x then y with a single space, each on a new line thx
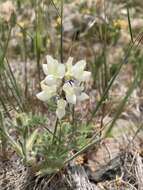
70 92
77 70
65 82
53 68
69 67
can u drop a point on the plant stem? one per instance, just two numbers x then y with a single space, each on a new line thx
124 61
9 73
25 63
129 23
83 149
61 53
123 103
38 42
57 10
3 138
61 31
55 130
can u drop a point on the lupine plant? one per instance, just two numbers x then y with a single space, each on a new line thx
64 86
49 148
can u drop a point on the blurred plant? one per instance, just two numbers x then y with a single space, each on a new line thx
6 10
26 139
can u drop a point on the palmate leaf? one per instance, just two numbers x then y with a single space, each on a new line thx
50 166
31 140
19 147
13 143
46 171
5 133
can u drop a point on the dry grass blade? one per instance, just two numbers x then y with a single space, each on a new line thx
138 40
139 171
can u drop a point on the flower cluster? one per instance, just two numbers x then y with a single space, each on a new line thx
64 81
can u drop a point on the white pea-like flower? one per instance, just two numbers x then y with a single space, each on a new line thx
74 92
53 68
54 72
69 92
47 92
60 111
77 71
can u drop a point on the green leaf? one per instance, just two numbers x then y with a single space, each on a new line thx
31 140
14 144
